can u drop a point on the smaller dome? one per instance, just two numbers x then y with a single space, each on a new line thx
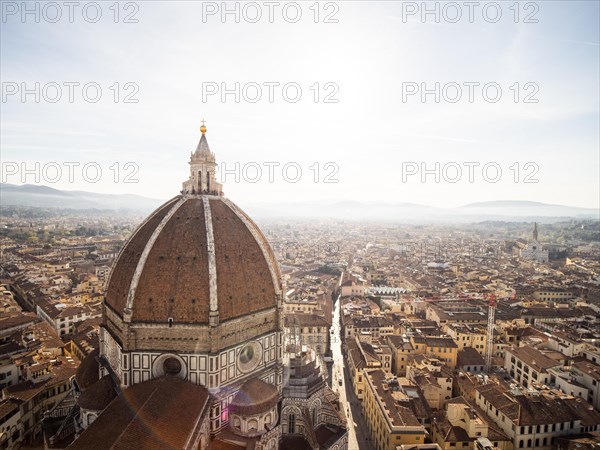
254 397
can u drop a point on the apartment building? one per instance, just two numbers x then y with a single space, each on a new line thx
389 413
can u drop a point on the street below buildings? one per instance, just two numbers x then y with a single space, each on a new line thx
358 438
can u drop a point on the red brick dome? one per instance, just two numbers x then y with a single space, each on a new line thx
197 255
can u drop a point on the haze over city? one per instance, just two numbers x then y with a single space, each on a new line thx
370 54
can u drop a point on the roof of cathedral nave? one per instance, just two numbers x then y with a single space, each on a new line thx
156 414
197 253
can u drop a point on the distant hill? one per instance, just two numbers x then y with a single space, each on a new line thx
504 210
44 196
348 210
518 208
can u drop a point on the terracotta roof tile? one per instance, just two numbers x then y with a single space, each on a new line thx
255 396
88 371
124 267
157 414
97 396
244 281
174 281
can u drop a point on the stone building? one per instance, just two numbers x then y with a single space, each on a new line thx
191 342
465 425
307 329
534 420
534 250
390 412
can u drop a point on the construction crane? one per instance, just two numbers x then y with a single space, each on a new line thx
489 349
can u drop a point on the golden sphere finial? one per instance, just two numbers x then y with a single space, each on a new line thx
203 127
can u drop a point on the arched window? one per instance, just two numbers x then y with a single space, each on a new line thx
314 416
291 424
252 425
528 443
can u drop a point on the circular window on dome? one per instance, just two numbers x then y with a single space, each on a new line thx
249 356
172 366
169 364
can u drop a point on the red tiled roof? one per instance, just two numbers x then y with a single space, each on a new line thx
159 414
254 396
88 371
97 396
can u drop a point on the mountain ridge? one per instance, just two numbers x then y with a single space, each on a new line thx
45 196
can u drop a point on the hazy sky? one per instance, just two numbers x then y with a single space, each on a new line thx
365 55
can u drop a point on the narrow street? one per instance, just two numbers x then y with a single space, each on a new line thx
357 429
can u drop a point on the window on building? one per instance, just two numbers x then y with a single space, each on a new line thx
291 423
252 425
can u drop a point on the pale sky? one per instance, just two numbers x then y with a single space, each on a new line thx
370 137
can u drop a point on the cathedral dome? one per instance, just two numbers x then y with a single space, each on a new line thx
196 259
